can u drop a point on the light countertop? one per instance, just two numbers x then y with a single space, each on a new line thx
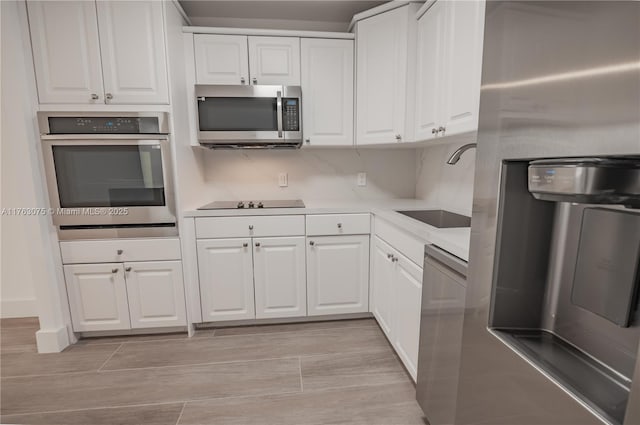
453 240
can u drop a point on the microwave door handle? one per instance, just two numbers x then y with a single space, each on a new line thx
279 112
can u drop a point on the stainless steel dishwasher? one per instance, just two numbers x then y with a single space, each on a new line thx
441 319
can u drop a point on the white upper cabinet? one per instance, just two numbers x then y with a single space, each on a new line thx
226 279
94 53
450 39
327 91
66 51
274 60
428 80
338 274
280 277
463 52
383 74
97 296
156 294
133 52
221 59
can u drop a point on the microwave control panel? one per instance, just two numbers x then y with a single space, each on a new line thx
290 114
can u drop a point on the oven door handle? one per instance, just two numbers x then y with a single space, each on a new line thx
279 112
104 137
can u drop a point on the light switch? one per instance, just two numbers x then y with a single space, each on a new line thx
283 180
362 179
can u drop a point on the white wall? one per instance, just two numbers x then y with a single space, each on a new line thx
22 247
327 174
448 186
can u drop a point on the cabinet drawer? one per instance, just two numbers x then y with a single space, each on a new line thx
401 240
250 226
118 250
338 224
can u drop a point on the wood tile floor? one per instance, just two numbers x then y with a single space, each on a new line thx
341 372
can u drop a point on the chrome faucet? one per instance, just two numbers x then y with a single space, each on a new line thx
455 157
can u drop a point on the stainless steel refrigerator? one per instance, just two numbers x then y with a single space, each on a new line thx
560 81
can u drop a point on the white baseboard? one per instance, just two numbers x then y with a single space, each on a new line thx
52 340
18 307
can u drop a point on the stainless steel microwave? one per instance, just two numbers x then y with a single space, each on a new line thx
234 116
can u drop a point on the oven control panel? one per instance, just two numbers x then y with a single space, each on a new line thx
103 125
290 114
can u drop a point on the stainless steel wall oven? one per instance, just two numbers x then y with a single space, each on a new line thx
108 174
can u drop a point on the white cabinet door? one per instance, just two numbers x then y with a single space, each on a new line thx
382 290
133 52
381 77
66 51
280 277
463 40
221 59
156 294
407 284
429 72
225 268
327 91
338 274
274 60
97 296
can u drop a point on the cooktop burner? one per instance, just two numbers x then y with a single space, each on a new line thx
231 205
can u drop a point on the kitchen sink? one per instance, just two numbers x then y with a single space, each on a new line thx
439 218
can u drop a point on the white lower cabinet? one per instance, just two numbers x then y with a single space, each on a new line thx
396 288
338 274
97 296
226 279
406 332
118 296
155 293
382 293
279 277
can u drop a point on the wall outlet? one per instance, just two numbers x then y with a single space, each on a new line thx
283 180
362 179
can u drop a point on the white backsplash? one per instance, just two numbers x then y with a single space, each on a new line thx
327 174
449 186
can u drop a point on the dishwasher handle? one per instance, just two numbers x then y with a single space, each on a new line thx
449 260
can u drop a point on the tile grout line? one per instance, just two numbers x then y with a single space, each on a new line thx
109 358
184 405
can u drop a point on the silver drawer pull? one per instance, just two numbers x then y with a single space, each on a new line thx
119 252
339 225
127 269
244 245
114 270
257 244
312 243
251 227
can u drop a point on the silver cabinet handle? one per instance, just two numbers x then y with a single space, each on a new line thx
251 227
114 270
441 129
339 225
108 96
94 96
434 131
242 80
279 112
244 245
254 80
312 243
398 137
127 269
307 140
394 259
258 244
119 252
389 256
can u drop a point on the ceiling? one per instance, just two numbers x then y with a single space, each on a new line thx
327 15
